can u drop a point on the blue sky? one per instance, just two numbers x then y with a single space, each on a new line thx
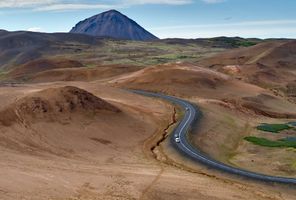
164 18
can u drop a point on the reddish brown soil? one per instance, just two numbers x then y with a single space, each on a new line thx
40 65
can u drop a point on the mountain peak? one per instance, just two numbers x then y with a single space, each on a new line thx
113 24
113 11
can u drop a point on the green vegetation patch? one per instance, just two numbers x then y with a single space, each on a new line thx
236 41
274 128
246 43
270 143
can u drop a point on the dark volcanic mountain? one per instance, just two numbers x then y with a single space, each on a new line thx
113 24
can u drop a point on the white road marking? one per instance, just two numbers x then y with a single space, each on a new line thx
185 123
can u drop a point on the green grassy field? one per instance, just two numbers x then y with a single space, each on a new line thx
286 142
274 128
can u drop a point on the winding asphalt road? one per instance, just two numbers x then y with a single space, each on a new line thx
192 115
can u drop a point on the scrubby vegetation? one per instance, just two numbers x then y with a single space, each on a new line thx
235 42
246 43
286 142
274 128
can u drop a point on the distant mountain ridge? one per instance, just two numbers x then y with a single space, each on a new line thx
113 24
20 47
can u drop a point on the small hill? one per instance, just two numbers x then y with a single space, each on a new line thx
184 80
191 81
113 24
270 65
54 104
217 42
283 56
250 55
81 74
41 65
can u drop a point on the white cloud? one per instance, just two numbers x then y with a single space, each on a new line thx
24 3
34 29
64 7
61 5
213 1
261 29
236 24
259 32
168 2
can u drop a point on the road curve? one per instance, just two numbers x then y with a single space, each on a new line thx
192 115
